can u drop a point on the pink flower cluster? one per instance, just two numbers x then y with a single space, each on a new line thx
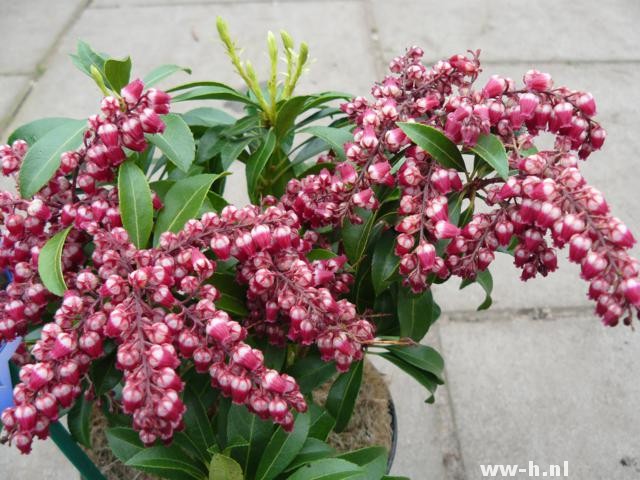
546 195
158 305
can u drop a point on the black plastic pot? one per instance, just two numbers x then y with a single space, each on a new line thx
394 434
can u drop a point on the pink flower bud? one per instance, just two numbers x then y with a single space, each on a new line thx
537 81
248 357
261 236
108 133
426 254
240 389
563 113
444 229
495 87
151 121
132 92
593 264
587 104
631 289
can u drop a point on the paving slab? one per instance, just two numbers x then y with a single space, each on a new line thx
546 391
555 30
45 462
29 29
13 89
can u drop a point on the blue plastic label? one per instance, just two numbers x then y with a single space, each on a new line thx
6 387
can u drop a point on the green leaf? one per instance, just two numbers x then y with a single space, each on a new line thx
208 91
197 423
104 374
327 469
491 150
79 421
485 280
313 449
50 263
176 142
343 394
86 57
207 117
372 459
322 422
117 72
416 313
250 433
287 114
421 356
335 137
43 158
124 442
162 72
426 379
320 254
311 371
324 97
433 141
355 237
257 162
384 261
282 449
224 468
32 131
136 206
183 202
170 462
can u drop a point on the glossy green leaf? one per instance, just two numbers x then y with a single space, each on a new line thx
327 469
491 150
424 378
313 449
384 261
324 97
207 117
124 442
355 237
182 203
251 434
224 468
176 142
197 423
257 162
232 150
282 449
167 461
287 114
422 356
136 206
85 57
485 280
436 143
32 131
43 158
208 91
322 422
79 421
343 395
416 313
320 254
311 371
162 72
335 137
372 459
117 72
50 263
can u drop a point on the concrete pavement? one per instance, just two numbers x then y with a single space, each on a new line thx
537 378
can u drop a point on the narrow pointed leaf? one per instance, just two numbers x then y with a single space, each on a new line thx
50 263
282 449
485 280
32 131
79 421
490 149
136 207
176 142
169 462
384 261
162 72
43 158
426 379
327 469
343 394
372 459
335 137
124 442
422 356
436 143
257 162
416 313
117 72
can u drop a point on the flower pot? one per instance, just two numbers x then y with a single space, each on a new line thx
373 423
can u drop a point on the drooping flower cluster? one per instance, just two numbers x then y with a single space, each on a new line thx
158 305
547 195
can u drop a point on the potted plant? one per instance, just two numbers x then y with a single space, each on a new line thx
210 341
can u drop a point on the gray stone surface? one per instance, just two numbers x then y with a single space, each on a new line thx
549 390
13 88
557 30
29 29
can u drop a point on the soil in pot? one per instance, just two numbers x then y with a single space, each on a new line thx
371 424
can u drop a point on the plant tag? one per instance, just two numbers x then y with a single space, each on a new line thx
6 387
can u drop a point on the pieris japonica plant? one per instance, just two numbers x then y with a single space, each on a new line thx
199 329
